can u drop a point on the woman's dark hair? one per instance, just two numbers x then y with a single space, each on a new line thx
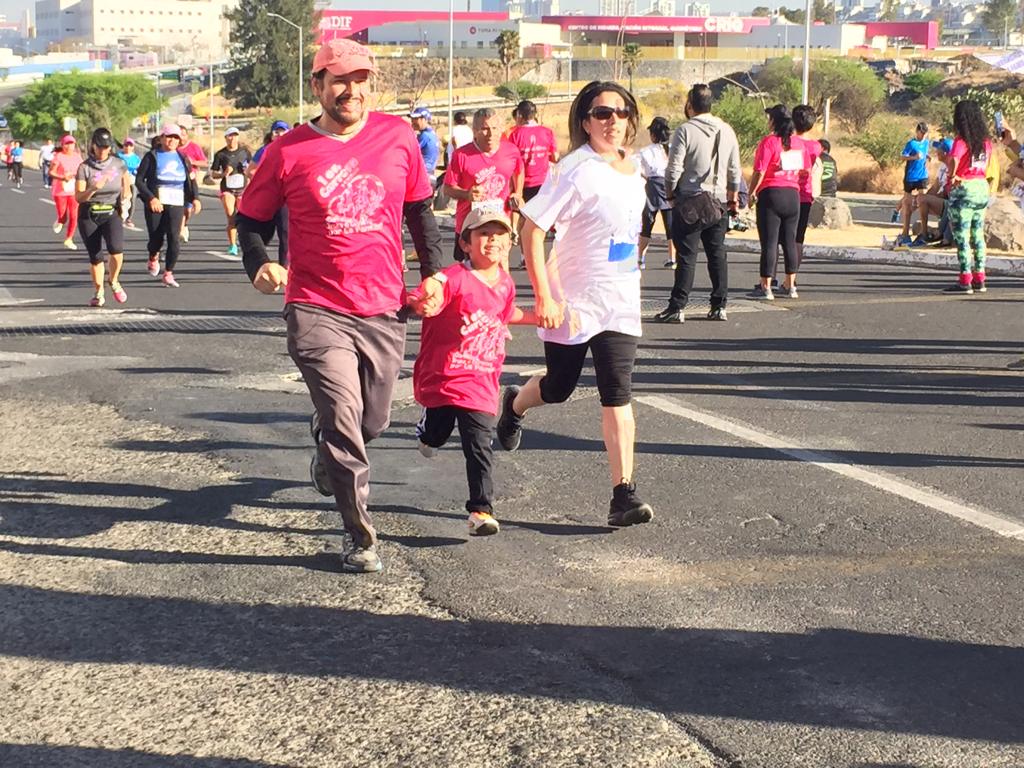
782 123
581 106
660 132
971 126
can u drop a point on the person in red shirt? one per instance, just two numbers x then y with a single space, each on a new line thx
455 378
63 170
536 143
488 173
349 177
968 166
197 158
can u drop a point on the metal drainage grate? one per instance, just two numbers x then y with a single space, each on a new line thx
174 324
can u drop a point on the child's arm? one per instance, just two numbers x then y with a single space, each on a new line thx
522 317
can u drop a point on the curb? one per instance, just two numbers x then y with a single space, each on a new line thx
944 260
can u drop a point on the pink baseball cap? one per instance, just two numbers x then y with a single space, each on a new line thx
68 139
170 129
342 56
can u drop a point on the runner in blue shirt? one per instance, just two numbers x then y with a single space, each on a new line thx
430 148
915 180
131 162
17 162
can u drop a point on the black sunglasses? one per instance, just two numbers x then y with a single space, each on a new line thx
605 113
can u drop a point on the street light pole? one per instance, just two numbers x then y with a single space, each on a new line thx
298 27
451 62
808 17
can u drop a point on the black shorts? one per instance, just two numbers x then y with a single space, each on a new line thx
915 186
110 229
648 219
614 354
801 223
530 192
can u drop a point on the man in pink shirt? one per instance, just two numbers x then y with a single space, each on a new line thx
487 173
348 177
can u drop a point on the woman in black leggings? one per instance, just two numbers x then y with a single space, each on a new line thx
778 161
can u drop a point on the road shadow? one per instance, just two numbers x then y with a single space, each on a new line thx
64 756
546 529
827 677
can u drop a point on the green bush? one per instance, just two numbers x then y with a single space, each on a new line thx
1010 103
517 90
937 112
883 139
746 116
779 79
857 93
922 81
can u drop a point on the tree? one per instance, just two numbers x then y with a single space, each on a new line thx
632 53
883 139
780 80
888 10
761 12
264 69
746 117
508 50
794 16
519 90
1000 16
825 11
98 101
856 91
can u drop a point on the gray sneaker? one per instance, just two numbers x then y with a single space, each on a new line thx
356 559
318 475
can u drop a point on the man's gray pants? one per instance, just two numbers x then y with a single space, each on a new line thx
350 365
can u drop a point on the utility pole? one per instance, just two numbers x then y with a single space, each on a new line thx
808 17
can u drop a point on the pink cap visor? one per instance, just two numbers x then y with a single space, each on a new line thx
342 56
69 139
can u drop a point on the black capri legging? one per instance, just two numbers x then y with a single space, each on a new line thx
647 223
96 231
614 354
162 226
778 213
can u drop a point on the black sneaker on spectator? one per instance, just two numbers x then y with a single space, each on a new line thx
718 313
669 315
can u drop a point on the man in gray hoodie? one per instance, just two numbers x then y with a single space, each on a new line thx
690 172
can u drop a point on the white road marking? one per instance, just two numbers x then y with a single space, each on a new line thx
534 372
47 200
19 191
924 496
225 256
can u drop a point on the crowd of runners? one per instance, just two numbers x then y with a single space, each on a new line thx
336 191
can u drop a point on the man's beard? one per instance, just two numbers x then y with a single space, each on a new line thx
339 117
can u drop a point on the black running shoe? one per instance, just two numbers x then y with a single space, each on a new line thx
627 508
718 313
510 425
669 315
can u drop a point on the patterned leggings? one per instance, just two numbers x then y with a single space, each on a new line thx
967 204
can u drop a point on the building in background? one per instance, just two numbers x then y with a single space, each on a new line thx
662 8
617 7
183 30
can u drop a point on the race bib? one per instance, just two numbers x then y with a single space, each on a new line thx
234 181
792 160
171 195
491 206
68 187
980 163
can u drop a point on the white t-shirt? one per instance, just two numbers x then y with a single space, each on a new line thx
461 135
596 212
653 161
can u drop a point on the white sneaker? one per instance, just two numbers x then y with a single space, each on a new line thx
482 524
169 281
427 451
153 267
184 234
70 245
57 227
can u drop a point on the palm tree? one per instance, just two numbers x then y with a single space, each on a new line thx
508 50
632 53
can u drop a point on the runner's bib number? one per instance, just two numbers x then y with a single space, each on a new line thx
68 186
491 206
171 195
792 160
234 181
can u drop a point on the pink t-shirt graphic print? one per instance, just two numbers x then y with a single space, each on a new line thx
463 347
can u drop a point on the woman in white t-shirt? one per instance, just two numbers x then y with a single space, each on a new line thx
588 291
653 161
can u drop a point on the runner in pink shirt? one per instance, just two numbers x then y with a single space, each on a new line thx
536 143
348 177
487 174
63 170
197 157
463 347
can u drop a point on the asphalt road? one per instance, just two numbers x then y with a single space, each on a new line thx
832 579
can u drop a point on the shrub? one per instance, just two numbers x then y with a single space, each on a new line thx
1010 103
746 116
857 93
922 81
517 90
883 140
780 80
938 113
668 101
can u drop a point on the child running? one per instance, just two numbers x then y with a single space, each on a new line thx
456 374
